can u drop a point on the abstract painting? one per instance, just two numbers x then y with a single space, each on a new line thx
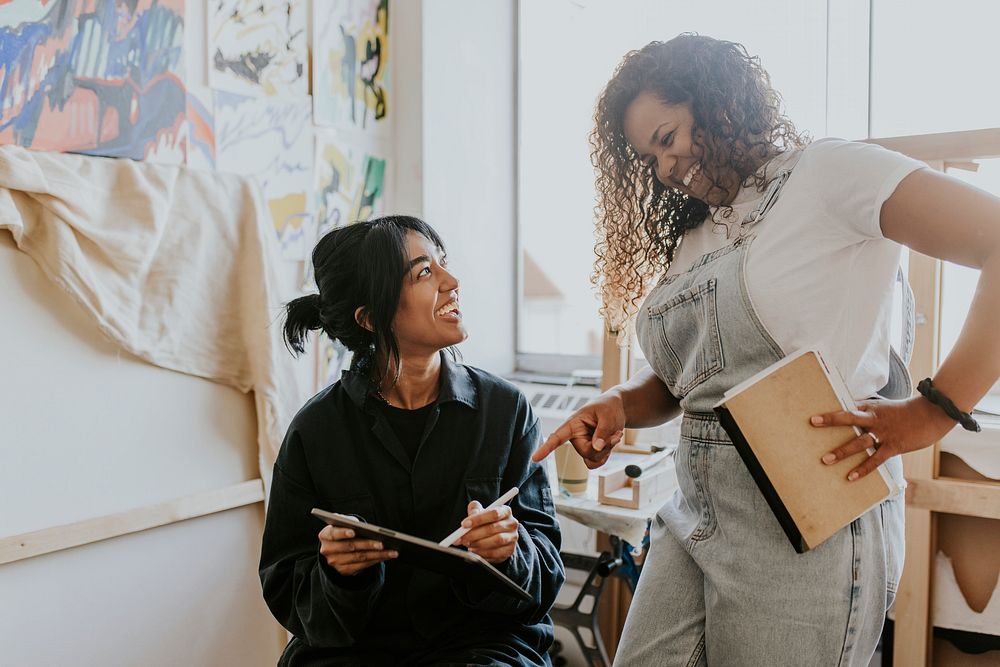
99 77
332 358
350 72
258 47
272 139
350 180
200 128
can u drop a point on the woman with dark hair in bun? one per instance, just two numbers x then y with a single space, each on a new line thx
412 440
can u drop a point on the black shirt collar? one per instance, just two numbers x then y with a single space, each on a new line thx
456 383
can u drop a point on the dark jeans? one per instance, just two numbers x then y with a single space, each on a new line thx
507 650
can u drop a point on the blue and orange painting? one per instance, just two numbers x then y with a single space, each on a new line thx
98 77
201 128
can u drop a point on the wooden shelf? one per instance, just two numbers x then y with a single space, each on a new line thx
952 147
952 496
928 495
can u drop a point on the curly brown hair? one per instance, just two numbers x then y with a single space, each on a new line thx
738 126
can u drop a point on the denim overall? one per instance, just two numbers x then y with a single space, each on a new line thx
721 584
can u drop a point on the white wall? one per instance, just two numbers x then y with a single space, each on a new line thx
184 594
455 70
405 26
89 430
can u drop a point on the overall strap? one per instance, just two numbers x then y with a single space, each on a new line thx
900 385
909 317
766 203
768 200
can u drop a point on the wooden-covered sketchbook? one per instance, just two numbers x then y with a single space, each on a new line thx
767 418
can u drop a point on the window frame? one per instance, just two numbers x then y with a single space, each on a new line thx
940 151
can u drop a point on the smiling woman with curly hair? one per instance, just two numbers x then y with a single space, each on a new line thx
802 250
738 126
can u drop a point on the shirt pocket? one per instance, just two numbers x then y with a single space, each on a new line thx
690 349
483 489
536 497
361 505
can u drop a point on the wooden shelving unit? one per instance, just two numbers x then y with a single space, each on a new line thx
928 496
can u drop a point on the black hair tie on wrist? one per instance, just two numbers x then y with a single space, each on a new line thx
934 395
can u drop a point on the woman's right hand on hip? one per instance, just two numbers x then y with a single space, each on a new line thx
593 430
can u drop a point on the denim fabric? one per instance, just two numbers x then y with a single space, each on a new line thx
721 584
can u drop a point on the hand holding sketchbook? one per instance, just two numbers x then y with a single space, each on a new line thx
418 552
767 418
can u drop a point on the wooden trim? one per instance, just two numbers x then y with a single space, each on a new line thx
925 279
946 146
616 368
950 496
88 531
964 165
912 638
615 361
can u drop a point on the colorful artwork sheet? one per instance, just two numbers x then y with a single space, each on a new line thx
98 77
350 180
350 70
272 139
200 128
258 47
332 358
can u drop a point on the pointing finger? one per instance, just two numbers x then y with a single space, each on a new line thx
553 442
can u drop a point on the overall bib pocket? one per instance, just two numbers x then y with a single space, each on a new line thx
688 324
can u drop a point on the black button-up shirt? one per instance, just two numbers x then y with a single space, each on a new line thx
341 455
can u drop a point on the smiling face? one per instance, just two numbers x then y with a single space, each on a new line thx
663 136
428 318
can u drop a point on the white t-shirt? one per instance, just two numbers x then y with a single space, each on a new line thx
820 272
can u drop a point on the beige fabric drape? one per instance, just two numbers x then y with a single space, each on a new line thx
175 265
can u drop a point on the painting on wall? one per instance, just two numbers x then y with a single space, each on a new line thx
98 77
332 358
350 180
200 128
258 47
272 139
350 70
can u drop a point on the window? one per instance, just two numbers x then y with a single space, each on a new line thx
932 65
958 283
567 51
912 74
922 61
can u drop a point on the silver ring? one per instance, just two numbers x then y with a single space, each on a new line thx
874 438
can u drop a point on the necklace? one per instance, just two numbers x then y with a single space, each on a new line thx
378 393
